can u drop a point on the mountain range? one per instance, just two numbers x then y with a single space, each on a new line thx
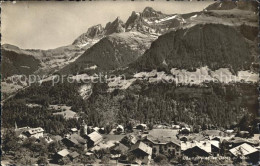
223 35
199 68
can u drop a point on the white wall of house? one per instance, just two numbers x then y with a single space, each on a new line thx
37 135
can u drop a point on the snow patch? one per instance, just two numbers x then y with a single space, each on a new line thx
194 16
27 67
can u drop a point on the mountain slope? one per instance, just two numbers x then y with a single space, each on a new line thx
16 62
154 22
228 5
213 45
97 32
112 52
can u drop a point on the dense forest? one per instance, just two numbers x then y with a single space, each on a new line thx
213 104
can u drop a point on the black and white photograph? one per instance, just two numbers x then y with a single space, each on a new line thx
125 82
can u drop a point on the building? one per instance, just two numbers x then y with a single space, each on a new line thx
245 150
94 138
60 155
163 141
73 130
118 150
229 131
142 152
176 126
74 140
185 130
34 132
243 134
215 149
196 148
163 145
142 127
120 129
73 156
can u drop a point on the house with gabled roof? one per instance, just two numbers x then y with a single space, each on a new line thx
74 140
93 139
60 155
163 141
142 152
73 155
245 150
26 132
196 148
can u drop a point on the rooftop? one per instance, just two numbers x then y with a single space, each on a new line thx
163 136
95 136
204 145
76 139
243 149
74 154
63 152
143 147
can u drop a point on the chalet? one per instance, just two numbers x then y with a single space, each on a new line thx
96 129
74 130
163 145
195 148
60 155
34 132
74 140
229 131
163 140
118 150
247 151
215 149
129 139
185 130
176 126
120 129
73 156
142 127
94 138
243 134
236 141
89 153
142 152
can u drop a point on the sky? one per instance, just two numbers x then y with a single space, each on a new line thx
51 24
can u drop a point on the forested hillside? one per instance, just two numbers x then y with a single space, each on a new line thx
215 104
213 45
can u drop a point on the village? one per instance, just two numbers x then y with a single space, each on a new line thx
147 144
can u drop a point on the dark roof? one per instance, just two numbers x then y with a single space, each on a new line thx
74 154
143 147
76 139
121 147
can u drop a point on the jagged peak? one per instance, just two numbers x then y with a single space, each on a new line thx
98 27
115 27
150 12
148 9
